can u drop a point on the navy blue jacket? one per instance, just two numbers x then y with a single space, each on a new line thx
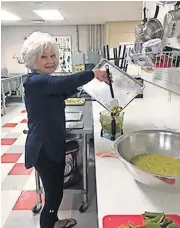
44 101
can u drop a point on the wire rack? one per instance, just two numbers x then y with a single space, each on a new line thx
164 59
158 66
164 72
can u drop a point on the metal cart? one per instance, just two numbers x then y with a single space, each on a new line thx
12 83
85 135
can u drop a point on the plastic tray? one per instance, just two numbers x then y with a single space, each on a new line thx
74 125
73 116
125 87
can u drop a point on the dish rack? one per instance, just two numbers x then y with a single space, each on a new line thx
161 69
164 59
154 53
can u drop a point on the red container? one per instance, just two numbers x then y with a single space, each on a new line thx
115 221
164 62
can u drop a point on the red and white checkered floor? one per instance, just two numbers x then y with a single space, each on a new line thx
18 194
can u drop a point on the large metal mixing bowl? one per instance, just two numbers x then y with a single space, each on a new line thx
150 141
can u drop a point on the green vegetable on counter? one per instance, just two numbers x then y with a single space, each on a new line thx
157 220
152 225
131 226
152 214
166 222
172 225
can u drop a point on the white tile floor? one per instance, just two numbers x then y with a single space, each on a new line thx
8 199
14 182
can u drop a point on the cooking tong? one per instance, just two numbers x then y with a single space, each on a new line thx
113 102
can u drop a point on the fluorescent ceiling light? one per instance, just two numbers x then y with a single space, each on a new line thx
49 15
7 16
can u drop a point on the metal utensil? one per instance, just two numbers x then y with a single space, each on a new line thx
119 55
138 45
150 141
139 28
113 102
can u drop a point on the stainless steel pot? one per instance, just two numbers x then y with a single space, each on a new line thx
138 46
151 141
153 28
172 22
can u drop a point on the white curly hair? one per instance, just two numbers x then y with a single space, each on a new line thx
34 45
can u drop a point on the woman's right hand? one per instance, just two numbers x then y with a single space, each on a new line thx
102 76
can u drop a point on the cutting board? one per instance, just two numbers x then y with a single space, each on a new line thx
115 221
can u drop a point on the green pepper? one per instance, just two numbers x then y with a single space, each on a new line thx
131 226
157 219
152 214
166 222
172 225
147 218
152 225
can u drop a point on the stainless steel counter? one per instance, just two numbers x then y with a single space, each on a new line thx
166 78
85 132
87 118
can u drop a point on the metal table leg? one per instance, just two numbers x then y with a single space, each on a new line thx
22 89
84 205
37 208
3 99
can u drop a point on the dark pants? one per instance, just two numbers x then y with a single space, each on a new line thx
52 176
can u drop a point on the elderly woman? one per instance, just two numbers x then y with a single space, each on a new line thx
44 100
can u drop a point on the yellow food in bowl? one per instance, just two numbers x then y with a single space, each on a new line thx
74 101
157 164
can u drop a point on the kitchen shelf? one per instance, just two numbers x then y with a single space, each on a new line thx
166 78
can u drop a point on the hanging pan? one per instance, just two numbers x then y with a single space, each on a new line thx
172 22
153 28
139 28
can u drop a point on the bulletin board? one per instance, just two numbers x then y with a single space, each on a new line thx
65 53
